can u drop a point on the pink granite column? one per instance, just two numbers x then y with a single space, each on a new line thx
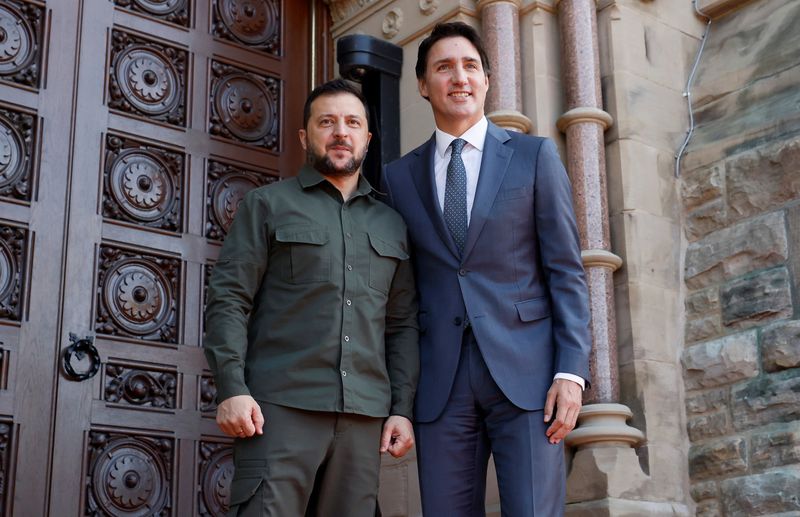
584 124
500 21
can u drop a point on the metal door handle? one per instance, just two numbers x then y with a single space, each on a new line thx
80 348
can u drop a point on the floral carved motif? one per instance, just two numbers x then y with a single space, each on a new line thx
140 387
13 242
172 11
254 23
244 106
129 475
142 184
208 394
17 134
147 79
138 295
21 32
216 474
226 187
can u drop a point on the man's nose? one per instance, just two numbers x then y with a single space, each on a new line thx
340 128
459 75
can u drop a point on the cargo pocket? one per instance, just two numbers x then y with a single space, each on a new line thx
383 262
243 489
309 254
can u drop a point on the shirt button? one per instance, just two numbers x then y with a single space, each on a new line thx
462 272
347 338
344 373
349 267
348 302
457 321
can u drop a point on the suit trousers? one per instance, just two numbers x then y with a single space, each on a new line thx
310 463
478 420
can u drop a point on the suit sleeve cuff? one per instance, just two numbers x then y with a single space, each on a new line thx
570 377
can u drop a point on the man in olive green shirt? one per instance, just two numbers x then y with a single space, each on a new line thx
311 328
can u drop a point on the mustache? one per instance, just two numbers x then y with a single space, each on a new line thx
341 143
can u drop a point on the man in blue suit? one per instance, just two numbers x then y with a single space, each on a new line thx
504 310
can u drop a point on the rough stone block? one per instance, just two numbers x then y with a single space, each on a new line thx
772 492
751 245
793 222
755 299
776 447
705 490
708 426
767 399
702 328
703 302
719 458
780 346
702 185
709 509
722 361
763 179
710 400
708 218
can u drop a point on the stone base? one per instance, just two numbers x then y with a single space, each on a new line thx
601 472
626 508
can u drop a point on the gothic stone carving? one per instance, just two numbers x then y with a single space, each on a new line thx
244 106
254 23
21 30
147 79
138 295
129 475
172 11
140 387
208 394
13 243
226 187
17 133
216 473
142 184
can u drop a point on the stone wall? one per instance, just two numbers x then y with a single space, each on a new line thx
741 203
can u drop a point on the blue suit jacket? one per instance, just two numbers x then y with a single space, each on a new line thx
520 280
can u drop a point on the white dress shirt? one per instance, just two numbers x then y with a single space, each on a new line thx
471 154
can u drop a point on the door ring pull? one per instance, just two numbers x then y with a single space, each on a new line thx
80 348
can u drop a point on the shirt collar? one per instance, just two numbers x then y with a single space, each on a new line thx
310 177
475 136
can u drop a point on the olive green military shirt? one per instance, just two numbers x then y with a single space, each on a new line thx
312 304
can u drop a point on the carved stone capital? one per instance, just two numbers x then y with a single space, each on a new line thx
341 9
604 425
512 120
485 3
585 114
601 258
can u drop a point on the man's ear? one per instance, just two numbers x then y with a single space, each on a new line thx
369 137
422 86
303 143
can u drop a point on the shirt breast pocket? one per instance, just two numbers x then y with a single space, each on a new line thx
309 254
383 259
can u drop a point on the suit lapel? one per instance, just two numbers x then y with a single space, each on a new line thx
494 165
425 182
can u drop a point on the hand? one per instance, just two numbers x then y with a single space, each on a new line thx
566 397
240 417
398 436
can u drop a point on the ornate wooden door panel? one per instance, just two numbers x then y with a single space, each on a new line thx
181 107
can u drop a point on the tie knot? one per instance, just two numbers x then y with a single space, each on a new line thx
457 145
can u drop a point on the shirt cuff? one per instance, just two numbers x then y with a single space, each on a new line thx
570 377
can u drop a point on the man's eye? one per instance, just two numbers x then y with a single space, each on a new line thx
442 68
325 122
355 123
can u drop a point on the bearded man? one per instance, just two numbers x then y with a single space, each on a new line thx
311 328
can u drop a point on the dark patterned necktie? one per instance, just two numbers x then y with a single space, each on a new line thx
455 195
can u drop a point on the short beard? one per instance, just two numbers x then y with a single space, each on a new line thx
325 166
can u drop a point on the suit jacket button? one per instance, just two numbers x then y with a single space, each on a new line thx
457 321
462 272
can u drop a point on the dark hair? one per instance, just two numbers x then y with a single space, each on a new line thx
450 30
334 87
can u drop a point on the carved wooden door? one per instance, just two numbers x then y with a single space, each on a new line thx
129 131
